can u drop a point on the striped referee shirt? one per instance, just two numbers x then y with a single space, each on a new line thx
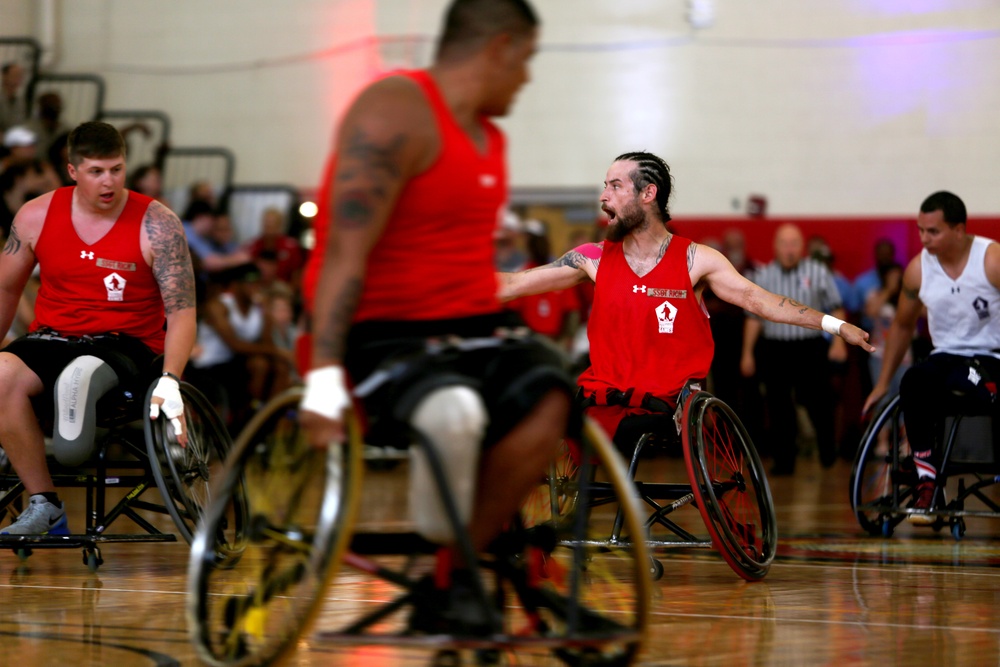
810 282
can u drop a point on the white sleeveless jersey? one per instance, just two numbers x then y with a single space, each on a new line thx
964 314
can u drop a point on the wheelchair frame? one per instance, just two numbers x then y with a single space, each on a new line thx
138 470
245 626
747 543
882 486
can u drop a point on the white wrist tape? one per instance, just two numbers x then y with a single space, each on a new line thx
326 392
173 406
831 325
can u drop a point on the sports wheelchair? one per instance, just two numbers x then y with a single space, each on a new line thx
544 587
726 482
133 453
883 480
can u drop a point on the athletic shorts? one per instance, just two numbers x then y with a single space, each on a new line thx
47 354
393 365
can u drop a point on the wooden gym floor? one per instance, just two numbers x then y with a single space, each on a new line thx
833 597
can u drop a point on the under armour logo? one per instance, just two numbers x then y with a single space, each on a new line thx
86 255
956 290
636 289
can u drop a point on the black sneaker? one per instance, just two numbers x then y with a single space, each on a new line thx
455 611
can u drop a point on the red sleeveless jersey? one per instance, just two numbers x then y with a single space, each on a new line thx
99 288
434 259
649 333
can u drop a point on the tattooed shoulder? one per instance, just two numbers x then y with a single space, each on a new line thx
13 245
171 257
692 249
572 259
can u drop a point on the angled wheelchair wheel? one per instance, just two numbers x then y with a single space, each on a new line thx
878 484
729 485
300 502
184 474
592 597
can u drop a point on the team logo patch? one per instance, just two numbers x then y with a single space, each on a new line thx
115 285
982 308
667 293
666 313
113 265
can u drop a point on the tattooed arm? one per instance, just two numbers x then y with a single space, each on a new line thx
167 250
387 137
572 268
726 282
18 258
900 334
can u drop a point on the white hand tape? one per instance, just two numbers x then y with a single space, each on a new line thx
326 392
831 325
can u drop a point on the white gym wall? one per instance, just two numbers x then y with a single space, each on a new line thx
825 106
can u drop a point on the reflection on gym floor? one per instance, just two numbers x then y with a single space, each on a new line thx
834 595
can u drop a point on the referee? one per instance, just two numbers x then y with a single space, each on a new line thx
795 359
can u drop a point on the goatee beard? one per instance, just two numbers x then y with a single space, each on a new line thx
625 223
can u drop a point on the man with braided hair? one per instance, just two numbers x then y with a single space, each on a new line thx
649 333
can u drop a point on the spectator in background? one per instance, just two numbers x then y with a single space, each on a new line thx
13 107
47 124
19 183
20 145
792 358
148 180
880 310
210 240
819 250
277 255
874 278
58 156
726 322
199 194
552 314
280 309
507 242
234 354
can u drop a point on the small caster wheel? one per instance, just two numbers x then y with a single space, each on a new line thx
92 559
886 527
655 569
23 553
958 530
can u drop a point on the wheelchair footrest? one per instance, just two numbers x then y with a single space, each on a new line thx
74 541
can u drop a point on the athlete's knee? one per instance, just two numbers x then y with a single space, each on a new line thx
450 413
80 385
453 419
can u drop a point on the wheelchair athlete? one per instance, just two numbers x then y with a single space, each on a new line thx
648 330
110 260
405 253
957 277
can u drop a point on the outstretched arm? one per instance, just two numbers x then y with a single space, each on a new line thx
727 283
573 268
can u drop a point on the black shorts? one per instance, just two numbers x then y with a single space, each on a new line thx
395 364
47 354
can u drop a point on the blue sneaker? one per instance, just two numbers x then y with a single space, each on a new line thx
40 518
